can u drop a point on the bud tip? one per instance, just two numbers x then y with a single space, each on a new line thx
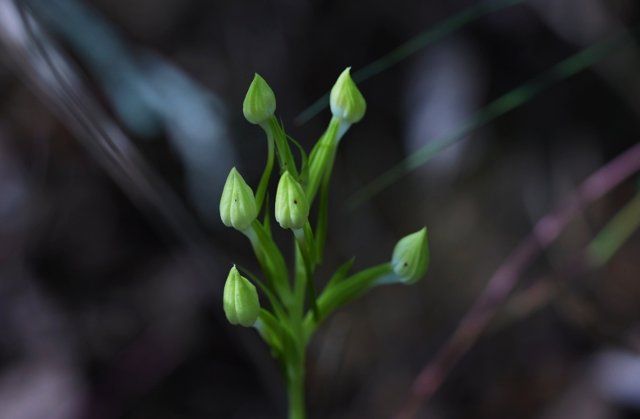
411 256
260 101
346 101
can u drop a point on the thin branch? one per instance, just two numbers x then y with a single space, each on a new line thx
505 278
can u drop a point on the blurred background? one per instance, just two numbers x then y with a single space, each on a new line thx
120 119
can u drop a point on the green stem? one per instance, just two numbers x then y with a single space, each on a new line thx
275 131
321 155
271 260
264 180
295 388
341 293
305 250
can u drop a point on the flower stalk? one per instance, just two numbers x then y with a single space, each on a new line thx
294 309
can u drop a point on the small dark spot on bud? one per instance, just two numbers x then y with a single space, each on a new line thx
405 264
295 202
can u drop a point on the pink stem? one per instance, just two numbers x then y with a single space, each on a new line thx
505 278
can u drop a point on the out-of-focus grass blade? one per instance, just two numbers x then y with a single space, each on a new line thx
617 231
45 68
410 47
604 246
505 103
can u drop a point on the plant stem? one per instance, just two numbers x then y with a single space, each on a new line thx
264 180
295 387
275 131
295 362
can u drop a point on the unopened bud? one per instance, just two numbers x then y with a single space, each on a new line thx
240 300
411 257
260 102
237 205
347 103
292 207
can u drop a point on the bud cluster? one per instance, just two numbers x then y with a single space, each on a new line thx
295 310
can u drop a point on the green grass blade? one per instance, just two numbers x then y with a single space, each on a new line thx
410 47
614 234
504 104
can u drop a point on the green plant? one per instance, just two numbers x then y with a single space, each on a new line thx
295 310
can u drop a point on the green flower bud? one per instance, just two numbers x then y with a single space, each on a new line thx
411 257
240 300
347 103
238 205
292 207
260 102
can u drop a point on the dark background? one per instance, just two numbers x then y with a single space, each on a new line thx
119 120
